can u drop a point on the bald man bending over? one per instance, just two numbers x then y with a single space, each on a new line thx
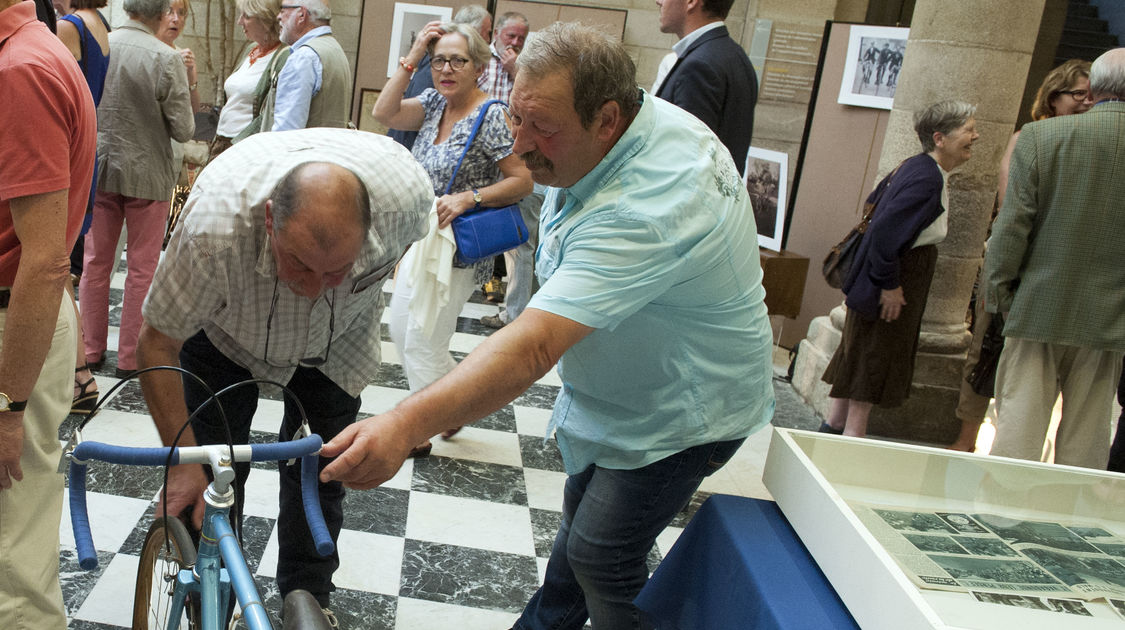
276 272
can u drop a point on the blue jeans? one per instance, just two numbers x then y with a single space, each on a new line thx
610 521
329 408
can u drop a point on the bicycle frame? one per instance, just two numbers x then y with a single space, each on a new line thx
218 546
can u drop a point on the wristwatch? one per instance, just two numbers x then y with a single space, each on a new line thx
477 198
7 404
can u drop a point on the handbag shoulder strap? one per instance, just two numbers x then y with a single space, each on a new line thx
469 142
877 196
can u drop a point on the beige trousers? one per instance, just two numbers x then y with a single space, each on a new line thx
1029 379
30 596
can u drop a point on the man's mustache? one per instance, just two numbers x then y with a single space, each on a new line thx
534 160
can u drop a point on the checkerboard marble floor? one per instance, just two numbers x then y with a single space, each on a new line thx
459 539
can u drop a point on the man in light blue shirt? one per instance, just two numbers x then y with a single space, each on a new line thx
652 304
314 87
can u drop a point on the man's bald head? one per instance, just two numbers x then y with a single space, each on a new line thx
323 197
318 217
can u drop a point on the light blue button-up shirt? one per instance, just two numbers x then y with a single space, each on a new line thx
657 249
298 83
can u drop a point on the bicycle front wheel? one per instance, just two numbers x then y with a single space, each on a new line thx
167 549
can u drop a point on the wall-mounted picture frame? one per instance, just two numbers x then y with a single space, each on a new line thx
766 180
873 65
407 23
367 120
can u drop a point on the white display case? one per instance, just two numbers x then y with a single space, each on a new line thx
813 476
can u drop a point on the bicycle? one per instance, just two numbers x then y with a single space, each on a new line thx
177 582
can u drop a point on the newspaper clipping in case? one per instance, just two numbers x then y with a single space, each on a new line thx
965 552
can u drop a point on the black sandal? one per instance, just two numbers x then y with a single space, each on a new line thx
85 401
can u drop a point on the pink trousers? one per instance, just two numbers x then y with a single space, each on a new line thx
146 220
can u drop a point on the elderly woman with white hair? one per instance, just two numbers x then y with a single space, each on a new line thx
145 105
889 282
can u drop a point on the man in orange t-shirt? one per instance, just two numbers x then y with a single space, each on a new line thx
46 165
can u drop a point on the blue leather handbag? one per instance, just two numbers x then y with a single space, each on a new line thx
482 233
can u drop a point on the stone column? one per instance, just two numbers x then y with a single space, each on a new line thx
954 51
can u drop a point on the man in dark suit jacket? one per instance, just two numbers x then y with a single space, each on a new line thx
713 78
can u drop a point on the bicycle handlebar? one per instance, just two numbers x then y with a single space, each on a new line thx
306 448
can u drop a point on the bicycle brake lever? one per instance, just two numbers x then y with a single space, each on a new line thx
302 432
64 459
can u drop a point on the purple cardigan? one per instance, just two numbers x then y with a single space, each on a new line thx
911 202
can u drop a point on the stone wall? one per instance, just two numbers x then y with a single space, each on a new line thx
778 126
209 50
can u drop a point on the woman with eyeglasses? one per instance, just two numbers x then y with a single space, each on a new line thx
171 26
1064 91
490 176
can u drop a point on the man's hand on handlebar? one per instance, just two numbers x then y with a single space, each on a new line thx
186 484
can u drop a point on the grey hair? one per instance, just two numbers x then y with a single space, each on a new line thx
943 117
479 52
318 10
510 16
1107 74
148 9
599 68
472 14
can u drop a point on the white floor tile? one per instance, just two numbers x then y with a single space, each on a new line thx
418 614
388 352
544 488
742 475
667 538
268 416
369 562
267 566
541 566
470 523
482 445
262 489
111 599
402 478
112 519
532 420
375 399
121 429
465 342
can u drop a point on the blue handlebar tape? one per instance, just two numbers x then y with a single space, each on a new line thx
286 450
130 455
80 520
310 497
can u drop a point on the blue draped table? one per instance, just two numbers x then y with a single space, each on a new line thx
739 564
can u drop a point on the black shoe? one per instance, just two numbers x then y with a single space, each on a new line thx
826 428
122 374
97 365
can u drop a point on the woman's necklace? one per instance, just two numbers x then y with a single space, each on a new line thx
257 53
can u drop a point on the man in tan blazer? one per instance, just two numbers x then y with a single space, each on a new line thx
1054 271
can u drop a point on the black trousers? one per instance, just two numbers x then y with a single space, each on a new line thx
329 408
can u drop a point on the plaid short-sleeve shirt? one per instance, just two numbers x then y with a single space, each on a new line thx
219 275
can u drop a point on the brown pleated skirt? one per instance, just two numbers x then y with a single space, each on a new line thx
875 360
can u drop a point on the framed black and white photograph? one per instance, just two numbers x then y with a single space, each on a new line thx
407 23
873 64
766 178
